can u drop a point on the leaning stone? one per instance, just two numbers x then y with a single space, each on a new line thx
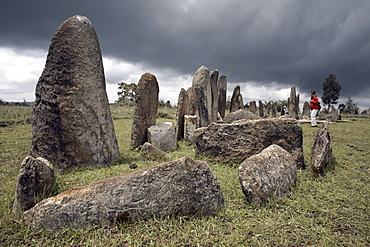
182 187
321 150
237 141
35 182
163 136
238 115
268 174
72 124
236 100
150 151
146 108
253 107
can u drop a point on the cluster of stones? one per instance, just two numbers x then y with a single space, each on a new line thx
72 126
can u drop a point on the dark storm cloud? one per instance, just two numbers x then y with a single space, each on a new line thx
292 42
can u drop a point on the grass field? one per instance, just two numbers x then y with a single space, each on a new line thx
331 210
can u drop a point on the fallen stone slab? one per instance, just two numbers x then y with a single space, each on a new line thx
181 187
234 142
268 174
321 150
152 152
239 115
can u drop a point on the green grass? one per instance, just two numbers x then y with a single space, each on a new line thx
330 210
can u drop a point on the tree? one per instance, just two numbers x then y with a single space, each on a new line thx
331 88
127 93
351 107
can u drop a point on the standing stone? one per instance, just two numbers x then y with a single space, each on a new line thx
146 108
306 110
183 187
72 124
222 90
269 174
321 150
274 110
236 100
214 91
334 115
202 89
163 136
35 182
260 109
253 107
190 125
183 105
293 103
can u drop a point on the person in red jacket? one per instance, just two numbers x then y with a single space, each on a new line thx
314 107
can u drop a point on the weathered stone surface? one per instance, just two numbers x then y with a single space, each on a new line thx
163 136
253 107
201 85
72 124
306 110
236 100
237 141
321 150
214 96
35 181
222 97
260 108
190 125
181 187
274 110
238 115
150 151
293 103
268 174
334 114
183 108
146 108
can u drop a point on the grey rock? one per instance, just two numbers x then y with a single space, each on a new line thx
234 142
182 187
183 108
334 114
236 100
152 152
293 106
222 95
321 150
146 108
239 115
72 124
214 96
260 109
269 174
35 182
190 125
253 107
306 110
201 85
163 136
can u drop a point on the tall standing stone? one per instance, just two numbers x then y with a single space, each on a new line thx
260 109
72 124
293 103
214 90
222 90
252 107
306 110
202 89
182 109
236 100
146 108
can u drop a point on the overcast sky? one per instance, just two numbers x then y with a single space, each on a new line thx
264 46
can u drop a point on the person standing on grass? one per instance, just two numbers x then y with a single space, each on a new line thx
314 106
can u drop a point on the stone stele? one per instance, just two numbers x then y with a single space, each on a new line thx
181 187
71 123
268 174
